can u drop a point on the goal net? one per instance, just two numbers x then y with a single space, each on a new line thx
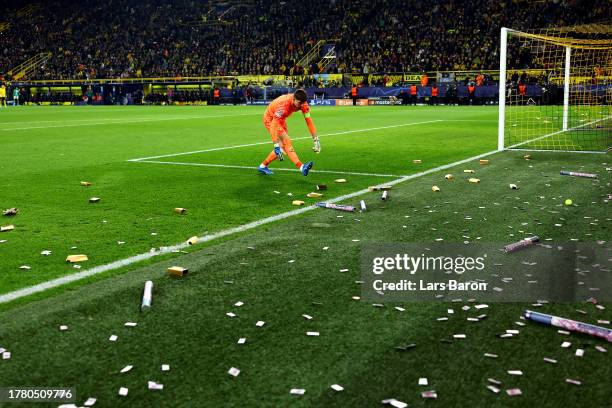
555 89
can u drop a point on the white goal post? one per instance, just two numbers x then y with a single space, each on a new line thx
555 89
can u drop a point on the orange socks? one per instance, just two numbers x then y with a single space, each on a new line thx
294 158
288 149
271 157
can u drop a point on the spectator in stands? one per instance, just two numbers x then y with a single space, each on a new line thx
149 38
250 96
403 96
424 80
434 94
413 94
16 94
479 79
514 78
471 93
2 95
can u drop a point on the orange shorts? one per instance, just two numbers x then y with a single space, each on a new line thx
282 127
286 144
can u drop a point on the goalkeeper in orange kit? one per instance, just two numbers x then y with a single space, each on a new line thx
274 120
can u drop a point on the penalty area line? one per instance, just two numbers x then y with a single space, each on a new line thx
345 132
10 296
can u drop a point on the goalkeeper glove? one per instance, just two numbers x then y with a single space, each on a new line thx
278 151
317 145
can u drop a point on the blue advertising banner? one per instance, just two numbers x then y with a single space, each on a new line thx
325 102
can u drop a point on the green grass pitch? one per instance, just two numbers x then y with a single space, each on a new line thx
280 270
48 151
540 127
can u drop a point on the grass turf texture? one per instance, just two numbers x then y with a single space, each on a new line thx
188 329
589 127
48 151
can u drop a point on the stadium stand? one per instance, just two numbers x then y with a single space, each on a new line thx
153 38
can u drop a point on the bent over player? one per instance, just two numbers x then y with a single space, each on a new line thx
274 120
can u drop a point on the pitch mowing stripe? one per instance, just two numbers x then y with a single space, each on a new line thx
88 121
41 287
215 149
230 166
119 122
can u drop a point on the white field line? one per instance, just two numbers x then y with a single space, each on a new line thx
229 166
215 149
7 297
556 133
119 121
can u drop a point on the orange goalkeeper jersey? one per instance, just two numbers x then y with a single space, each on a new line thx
282 107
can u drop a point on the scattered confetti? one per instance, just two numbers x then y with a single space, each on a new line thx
429 394
550 360
90 402
155 386
397 404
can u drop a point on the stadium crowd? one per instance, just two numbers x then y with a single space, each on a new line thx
151 38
